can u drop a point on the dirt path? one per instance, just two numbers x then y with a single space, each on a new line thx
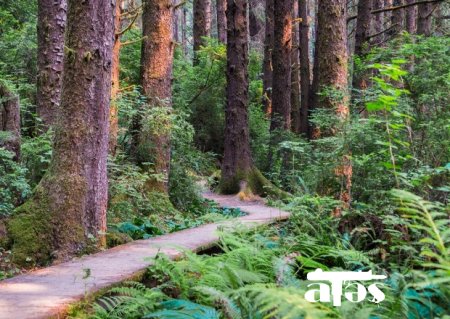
48 292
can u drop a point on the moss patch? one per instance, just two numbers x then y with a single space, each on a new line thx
30 232
254 183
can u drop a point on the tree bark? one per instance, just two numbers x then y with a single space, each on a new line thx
176 25
267 64
424 19
361 44
221 7
332 74
10 121
377 22
363 27
202 23
67 213
281 61
157 62
237 160
387 19
184 31
411 18
295 71
115 80
256 24
50 30
397 19
305 67
331 54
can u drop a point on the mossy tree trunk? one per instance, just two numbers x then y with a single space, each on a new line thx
9 121
237 161
239 175
202 23
156 72
267 64
67 213
51 25
332 74
221 7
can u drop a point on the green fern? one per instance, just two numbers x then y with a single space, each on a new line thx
432 222
127 302
183 309
286 303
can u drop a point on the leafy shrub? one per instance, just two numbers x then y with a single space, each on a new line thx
14 187
36 156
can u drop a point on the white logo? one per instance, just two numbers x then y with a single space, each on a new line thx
337 278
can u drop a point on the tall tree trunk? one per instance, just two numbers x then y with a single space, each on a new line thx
176 25
238 171
256 24
281 61
202 23
295 71
424 19
237 161
115 79
184 31
267 64
332 73
68 208
377 22
10 121
305 67
387 19
363 27
157 62
398 18
411 18
331 54
361 45
50 30
221 7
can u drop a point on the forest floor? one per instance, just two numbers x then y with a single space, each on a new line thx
50 291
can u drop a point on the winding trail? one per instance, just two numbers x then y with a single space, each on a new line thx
48 292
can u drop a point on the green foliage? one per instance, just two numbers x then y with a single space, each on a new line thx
14 186
183 309
200 91
35 156
431 222
127 302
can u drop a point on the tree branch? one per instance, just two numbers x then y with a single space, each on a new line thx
396 8
182 3
132 41
384 31
129 26
405 6
131 12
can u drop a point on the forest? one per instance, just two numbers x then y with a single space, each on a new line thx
119 117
